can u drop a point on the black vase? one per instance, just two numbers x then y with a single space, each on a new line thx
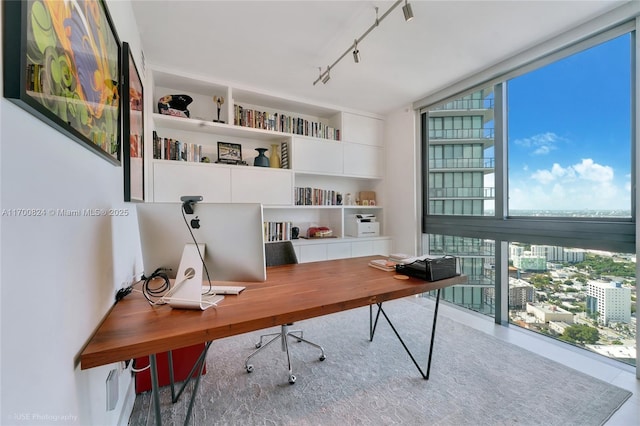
261 160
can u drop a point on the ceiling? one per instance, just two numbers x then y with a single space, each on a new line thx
277 46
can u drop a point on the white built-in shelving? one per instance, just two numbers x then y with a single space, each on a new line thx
348 166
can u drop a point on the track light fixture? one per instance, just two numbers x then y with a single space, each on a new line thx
326 76
408 15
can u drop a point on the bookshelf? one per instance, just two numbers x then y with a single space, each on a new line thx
329 152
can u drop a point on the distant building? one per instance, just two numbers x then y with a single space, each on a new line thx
620 352
610 300
558 254
546 313
530 263
520 293
558 327
515 251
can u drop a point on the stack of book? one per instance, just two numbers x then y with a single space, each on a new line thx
316 197
383 264
277 231
401 258
173 149
247 117
389 264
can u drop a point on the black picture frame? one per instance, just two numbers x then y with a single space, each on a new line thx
133 127
229 153
61 63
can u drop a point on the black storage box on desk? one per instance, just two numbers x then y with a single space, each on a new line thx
431 268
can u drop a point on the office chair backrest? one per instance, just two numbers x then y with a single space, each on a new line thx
280 253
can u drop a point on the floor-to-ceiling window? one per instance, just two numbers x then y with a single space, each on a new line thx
569 135
528 180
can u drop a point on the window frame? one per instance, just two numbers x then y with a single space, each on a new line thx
609 234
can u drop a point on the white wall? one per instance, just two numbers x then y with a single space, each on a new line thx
59 274
401 205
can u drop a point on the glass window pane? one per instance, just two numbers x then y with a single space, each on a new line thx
475 255
569 144
582 297
467 145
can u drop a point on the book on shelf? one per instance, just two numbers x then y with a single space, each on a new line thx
173 149
278 122
306 196
277 231
383 264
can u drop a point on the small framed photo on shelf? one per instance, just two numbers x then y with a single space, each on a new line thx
229 153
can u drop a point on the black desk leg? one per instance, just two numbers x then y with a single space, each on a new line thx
155 388
372 330
199 365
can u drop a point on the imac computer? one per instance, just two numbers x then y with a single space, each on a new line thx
228 236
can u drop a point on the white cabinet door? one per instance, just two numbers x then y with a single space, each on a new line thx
338 251
315 155
362 160
171 180
360 129
261 185
362 248
313 253
382 247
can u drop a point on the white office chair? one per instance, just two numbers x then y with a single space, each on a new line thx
281 253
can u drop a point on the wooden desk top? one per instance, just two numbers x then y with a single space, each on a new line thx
133 328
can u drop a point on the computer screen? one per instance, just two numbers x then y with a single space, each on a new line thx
231 232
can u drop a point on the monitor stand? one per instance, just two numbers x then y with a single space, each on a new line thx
187 292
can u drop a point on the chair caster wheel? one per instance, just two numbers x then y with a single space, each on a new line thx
322 357
249 368
292 379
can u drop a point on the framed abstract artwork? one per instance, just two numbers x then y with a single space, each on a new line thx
133 128
62 64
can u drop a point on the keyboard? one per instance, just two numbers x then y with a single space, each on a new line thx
222 289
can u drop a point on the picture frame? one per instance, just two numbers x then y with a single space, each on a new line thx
229 153
132 128
52 54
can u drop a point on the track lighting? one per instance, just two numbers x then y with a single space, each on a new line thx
408 15
326 76
356 52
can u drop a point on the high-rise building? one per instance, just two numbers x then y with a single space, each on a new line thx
558 254
520 293
460 178
610 301
529 262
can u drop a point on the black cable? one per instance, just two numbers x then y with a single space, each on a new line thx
123 292
150 292
197 248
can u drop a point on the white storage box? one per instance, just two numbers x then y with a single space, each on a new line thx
361 225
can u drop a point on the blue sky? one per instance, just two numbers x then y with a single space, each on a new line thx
570 132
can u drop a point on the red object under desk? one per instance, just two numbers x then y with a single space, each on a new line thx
183 360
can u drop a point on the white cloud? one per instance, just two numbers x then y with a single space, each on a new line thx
589 170
543 176
585 170
584 185
542 143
